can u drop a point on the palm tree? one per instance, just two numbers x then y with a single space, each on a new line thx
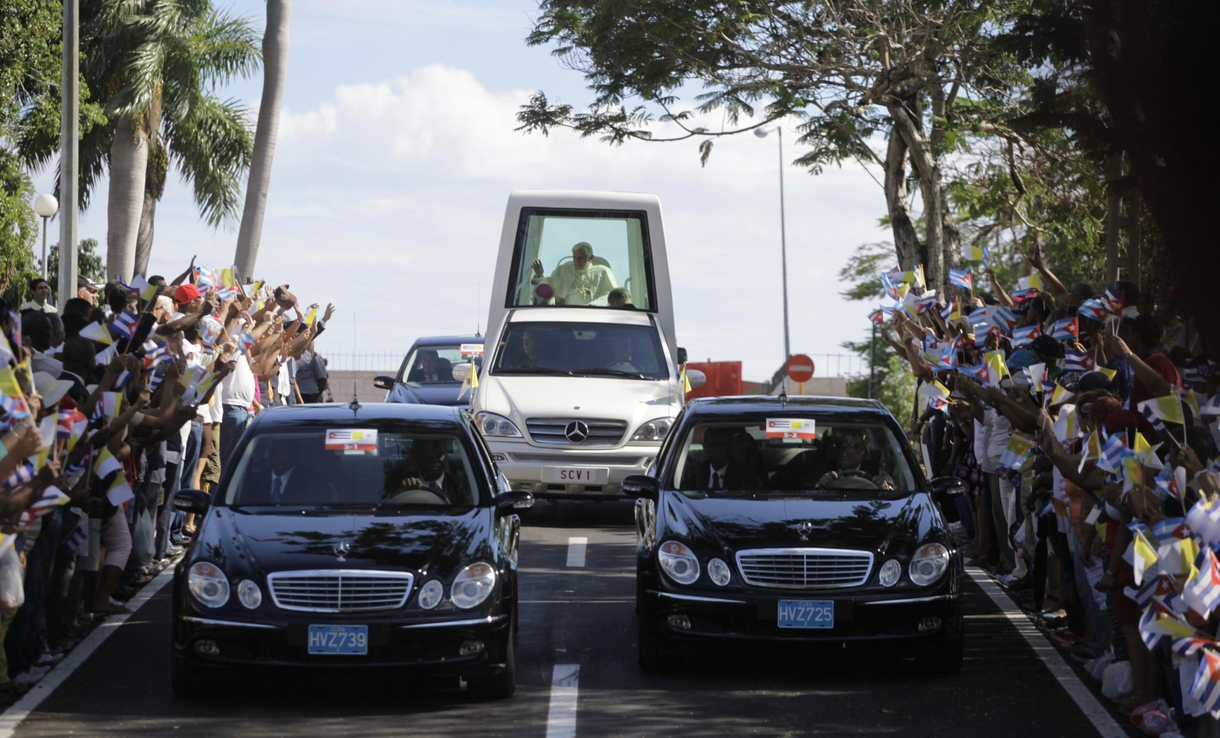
154 64
275 72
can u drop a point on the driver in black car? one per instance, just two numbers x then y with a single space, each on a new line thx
847 451
427 468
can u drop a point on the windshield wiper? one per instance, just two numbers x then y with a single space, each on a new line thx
604 372
535 370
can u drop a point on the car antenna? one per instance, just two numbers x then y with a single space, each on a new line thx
783 394
355 403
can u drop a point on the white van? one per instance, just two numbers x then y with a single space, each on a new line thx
580 379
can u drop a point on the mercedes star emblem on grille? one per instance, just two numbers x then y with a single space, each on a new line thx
341 549
576 431
804 529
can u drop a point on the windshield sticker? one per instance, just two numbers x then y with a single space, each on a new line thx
792 430
472 349
354 441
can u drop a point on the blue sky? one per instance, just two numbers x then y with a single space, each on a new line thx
397 153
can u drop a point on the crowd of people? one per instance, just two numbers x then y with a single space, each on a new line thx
1085 437
111 403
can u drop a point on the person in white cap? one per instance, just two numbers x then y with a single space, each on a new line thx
51 389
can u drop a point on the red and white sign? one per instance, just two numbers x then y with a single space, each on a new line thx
356 439
791 428
800 368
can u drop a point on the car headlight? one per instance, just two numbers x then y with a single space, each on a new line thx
472 585
496 426
929 563
653 430
718 572
431 594
890 572
249 594
208 584
678 562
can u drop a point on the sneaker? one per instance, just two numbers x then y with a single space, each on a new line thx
49 658
175 550
31 676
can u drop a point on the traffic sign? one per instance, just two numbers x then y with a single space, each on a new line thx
800 368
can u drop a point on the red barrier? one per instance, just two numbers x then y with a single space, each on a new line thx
723 379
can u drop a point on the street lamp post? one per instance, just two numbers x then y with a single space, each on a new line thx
46 206
783 238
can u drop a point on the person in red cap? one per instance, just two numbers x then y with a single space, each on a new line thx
188 298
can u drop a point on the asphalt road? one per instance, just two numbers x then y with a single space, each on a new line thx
577 670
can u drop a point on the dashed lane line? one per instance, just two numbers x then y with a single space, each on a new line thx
21 709
576 550
1102 720
561 714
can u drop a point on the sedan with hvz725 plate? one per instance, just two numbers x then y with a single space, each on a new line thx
353 537
793 520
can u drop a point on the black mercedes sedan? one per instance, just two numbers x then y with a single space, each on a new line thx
352 537
797 519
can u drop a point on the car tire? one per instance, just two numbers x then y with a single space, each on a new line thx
498 686
186 680
945 657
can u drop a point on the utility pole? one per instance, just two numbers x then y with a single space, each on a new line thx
783 236
872 361
69 161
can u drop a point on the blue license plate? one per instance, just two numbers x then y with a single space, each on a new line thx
806 613
339 640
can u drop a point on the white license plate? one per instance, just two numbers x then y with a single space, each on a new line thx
575 475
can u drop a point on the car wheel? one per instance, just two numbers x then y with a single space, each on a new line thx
186 680
945 657
502 685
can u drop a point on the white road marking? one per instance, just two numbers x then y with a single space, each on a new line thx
1097 714
576 550
561 715
22 708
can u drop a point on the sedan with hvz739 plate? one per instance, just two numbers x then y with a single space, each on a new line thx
793 520
352 537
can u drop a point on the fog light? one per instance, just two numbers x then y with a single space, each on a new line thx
207 648
499 457
470 647
679 622
929 624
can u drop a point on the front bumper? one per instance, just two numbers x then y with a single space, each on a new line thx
429 646
899 616
525 465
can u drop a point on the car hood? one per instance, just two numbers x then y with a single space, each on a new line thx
894 525
427 394
635 401
439 542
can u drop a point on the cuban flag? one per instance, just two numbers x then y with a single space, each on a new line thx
880 314
963 278
1202 591
1093 309
1077 361
890 288
1065 330
1112 299
76 539
50 499
1206 686
1020 297
979 372
245 341
1186 647
952 311
1112 453
124 324
23 475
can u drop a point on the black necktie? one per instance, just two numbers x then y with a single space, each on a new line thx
716 480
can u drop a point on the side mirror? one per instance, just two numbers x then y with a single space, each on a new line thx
383 382
696 378
949 485
681 355
641 485
517 499
192 500
460 371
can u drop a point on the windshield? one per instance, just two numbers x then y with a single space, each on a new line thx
433 364
793 454
353 467
581 258
581 349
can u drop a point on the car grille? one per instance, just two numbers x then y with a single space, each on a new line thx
804 568
339 590
591 459
552 430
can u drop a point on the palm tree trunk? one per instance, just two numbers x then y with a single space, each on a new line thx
128 164
275 73
154 187
144 237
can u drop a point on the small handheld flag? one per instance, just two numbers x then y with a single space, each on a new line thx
963 278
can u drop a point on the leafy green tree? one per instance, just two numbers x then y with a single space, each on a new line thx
154 66
89 264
